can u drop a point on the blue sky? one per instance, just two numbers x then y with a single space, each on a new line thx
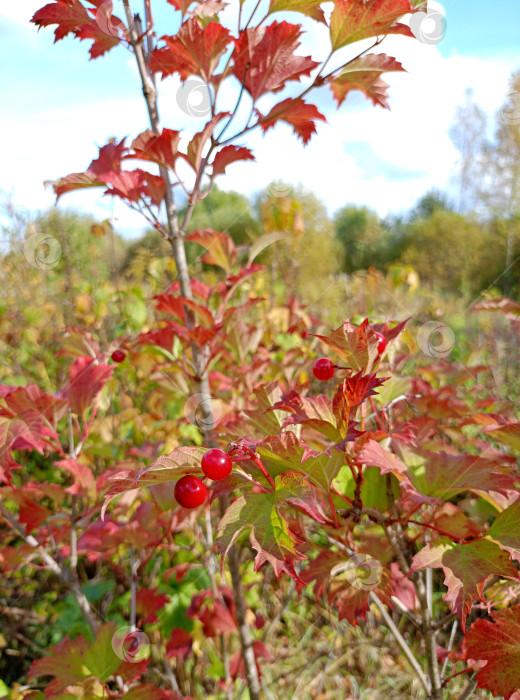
58 107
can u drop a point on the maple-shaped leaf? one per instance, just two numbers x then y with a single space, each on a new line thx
270 534
75 181
177 305
364 74
298 113
503 305
442 475
498 644
198 142
69 15
499 428
86 379
162 148
148 602
84 482
77 660
103 40
220 247
179 644
353 20
133 185
356 345
466 568
217 615
280 453
322 468
181 5
312 411
506 529
311 8
109 159
170 467
230 154
350 394
264 58
194 50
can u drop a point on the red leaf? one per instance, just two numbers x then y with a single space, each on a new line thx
84 482
199 141
109 159
87 378
365 74
75 181
228 155
353 20
148 602
179 644
216 616
299 114
350 394
265 60
69 15
162 149
498 644
192 51
466 568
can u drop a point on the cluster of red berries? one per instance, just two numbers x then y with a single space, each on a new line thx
324 368
190 491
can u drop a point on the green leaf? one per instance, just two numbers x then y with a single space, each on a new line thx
467 568
506 528
270 535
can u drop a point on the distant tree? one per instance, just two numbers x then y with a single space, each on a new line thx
432 201
359 231
230 212
468 134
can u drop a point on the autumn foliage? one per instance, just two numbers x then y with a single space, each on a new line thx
351 489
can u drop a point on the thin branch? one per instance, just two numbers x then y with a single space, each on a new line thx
53 565
468 691
401 642
450 645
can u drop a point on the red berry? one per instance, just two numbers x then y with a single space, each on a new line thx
381 345
118 355
190 492
216 464
323 369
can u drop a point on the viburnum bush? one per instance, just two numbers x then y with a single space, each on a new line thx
225 433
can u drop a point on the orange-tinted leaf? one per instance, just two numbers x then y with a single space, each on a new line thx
220 247
228 155
86 379
365 74
162 149
298 113
353 20
498 643
192 51
265 60
466 568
